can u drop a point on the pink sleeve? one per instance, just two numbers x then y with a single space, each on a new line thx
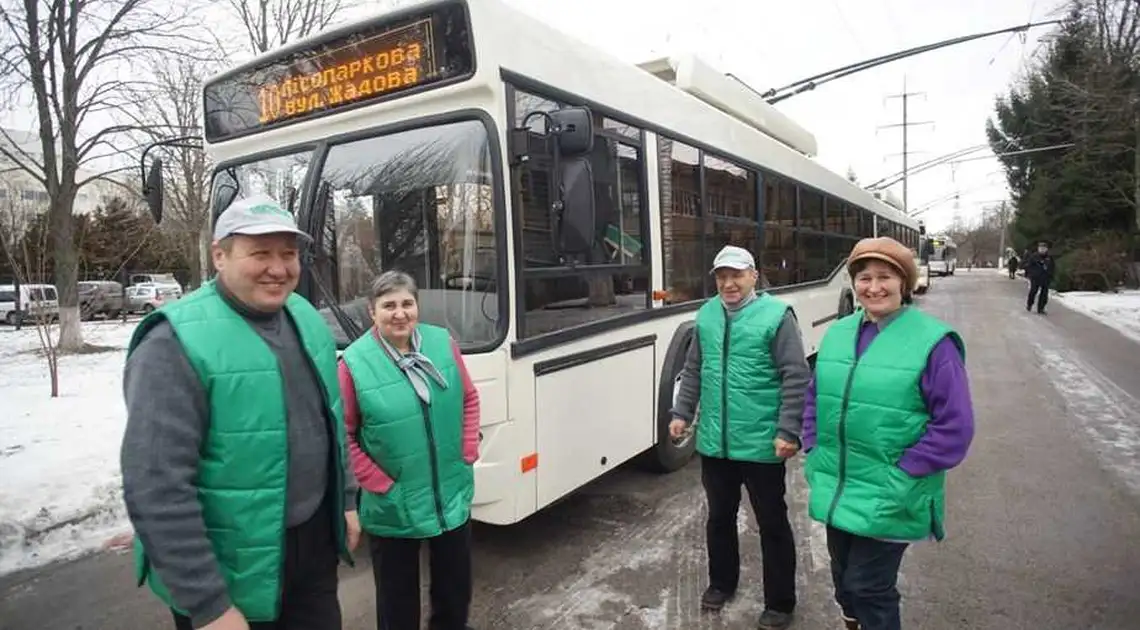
470 409
368 473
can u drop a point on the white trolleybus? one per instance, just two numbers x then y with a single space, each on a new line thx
558 207
943 255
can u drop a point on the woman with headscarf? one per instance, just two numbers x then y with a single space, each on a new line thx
412 418
887 413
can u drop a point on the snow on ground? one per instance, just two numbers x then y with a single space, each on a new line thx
59 458
1117 310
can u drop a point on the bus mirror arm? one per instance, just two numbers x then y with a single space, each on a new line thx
152 179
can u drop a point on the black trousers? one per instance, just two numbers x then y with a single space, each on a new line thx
309 598
396 570
1039 290
865 573
722 479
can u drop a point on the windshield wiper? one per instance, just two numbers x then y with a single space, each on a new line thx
315 226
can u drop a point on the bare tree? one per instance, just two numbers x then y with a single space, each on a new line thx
271 23
29 265
70 55
176 111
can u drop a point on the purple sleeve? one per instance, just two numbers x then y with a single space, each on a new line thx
946 390
807 433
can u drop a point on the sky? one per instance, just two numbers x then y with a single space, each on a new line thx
769 43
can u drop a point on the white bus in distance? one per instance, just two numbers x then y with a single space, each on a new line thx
558 207
943 255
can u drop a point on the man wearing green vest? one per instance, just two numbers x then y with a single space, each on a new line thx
234 463
746 368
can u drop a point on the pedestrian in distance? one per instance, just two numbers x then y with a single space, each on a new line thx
234 460
1012 264
1039 268
412 420
747 372
887 413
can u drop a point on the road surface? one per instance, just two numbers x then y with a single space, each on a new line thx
1044 516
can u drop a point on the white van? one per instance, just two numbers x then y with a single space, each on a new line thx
37 300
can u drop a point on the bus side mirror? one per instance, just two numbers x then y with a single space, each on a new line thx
576 131
577 229
574 142
152 190
572 208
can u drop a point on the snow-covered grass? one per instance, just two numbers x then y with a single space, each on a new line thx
59 458
1118 310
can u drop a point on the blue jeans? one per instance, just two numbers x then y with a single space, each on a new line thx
865 572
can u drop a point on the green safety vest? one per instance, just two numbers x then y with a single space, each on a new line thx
419 445
242 473
740 383
869 411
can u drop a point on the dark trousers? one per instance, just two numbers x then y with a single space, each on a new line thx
396 570
1038 290
309 598
865 572
722 479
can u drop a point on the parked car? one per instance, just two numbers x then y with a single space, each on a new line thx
100 297
144 298
164 280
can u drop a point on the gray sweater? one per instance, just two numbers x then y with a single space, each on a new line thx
787 350
167 420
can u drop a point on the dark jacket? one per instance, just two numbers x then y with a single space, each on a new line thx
1040 267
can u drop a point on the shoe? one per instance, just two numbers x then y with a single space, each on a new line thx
1028 307
774 620
851 624
714 598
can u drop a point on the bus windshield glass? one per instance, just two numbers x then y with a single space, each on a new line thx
421 201
280 178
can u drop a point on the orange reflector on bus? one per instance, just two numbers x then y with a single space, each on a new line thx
660 295
530 462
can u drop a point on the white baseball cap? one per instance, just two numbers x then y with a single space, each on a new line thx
733 257
258 214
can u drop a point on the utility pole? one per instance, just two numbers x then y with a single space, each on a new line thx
906 125
1001 240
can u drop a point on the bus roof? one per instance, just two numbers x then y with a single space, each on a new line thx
512 45
531 49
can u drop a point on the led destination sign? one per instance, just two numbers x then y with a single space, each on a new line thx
400 58
376 62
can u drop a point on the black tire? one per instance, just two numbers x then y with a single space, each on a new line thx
667 455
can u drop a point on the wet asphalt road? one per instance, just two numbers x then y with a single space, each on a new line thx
1044 516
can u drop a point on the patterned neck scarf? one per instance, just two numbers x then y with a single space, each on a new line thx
415 365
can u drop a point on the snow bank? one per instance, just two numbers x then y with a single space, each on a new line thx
1118 310
59 458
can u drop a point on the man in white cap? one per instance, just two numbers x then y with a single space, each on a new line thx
746 368
235 473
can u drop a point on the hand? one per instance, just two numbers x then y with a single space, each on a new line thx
352 529
232 619
786 449
677 428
